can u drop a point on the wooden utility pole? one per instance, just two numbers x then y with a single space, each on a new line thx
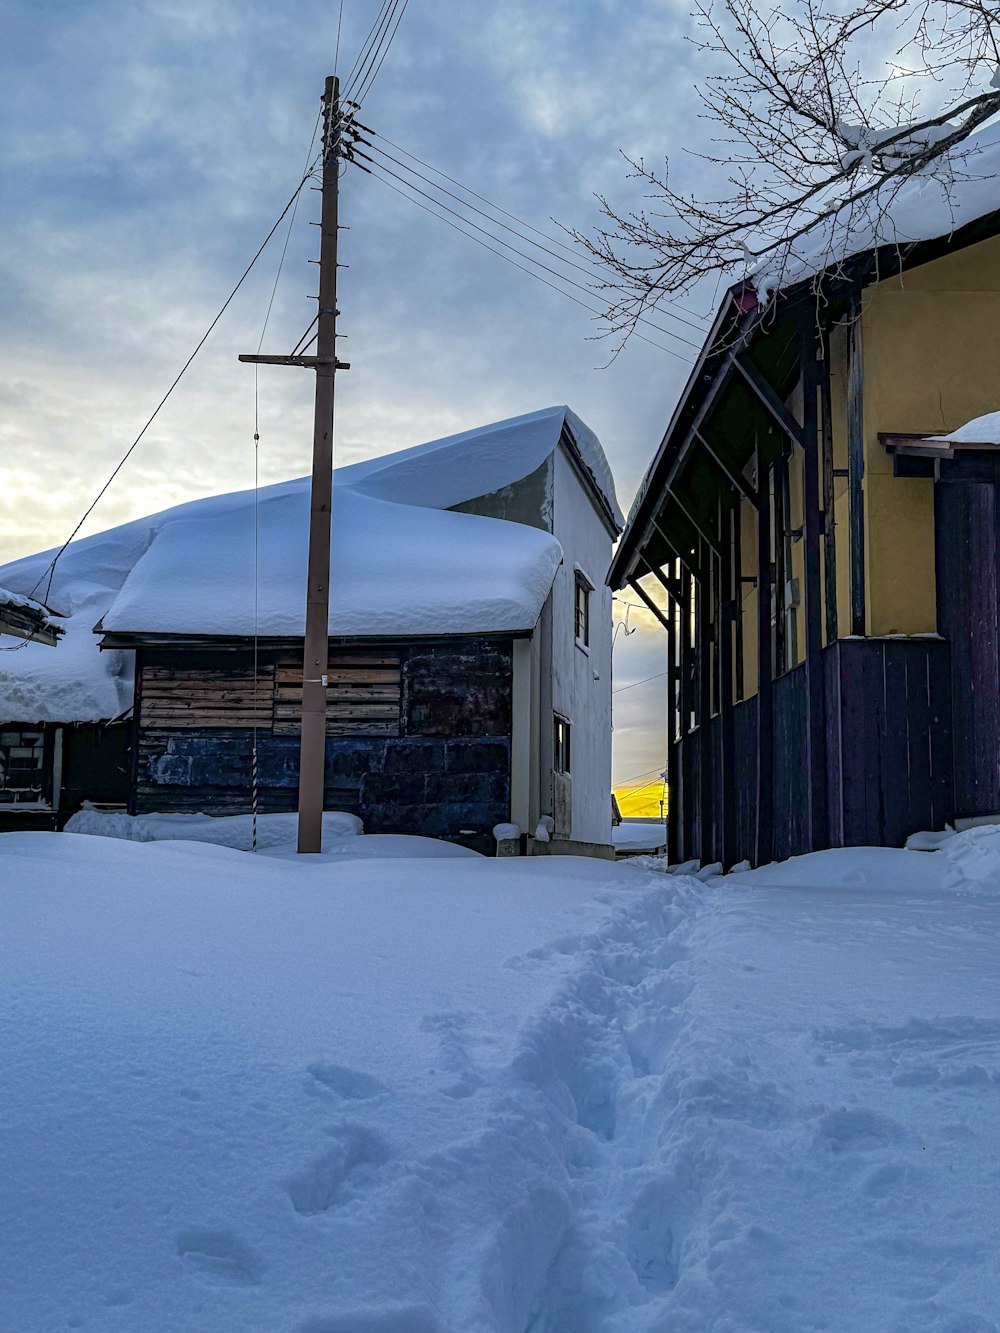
312 754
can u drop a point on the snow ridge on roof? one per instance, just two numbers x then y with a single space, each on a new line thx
401 564
958 188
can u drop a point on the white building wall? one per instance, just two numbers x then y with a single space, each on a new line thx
581 679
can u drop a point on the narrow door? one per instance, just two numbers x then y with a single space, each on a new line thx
967 546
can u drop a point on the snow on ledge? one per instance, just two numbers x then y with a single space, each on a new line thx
980 430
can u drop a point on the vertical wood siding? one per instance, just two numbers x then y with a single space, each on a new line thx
967 517
889 768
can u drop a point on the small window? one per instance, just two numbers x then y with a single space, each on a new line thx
582 610
560 744
23 767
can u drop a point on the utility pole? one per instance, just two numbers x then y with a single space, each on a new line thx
312 754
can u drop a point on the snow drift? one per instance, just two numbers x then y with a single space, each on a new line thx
541 1095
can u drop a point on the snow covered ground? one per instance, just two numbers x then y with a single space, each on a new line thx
534 1096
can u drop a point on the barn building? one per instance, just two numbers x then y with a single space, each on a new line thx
470 644
818 535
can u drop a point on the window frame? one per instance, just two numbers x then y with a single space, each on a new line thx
562 745
581 584
49 770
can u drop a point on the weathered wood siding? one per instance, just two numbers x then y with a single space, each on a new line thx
890 762
418 737
791 765
967 548
890 767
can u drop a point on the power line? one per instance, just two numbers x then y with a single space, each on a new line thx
340 22
501 255
366 89
659 781
637 791
284 248
380 38
563 277
363 53
591 267
382 21
659 676
50 571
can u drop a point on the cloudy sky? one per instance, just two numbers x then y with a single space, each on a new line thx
147 147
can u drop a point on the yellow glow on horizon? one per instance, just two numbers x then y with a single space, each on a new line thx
642 802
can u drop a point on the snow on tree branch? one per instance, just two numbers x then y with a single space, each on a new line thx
822 110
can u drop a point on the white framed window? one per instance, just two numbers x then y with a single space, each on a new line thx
560 744
582 590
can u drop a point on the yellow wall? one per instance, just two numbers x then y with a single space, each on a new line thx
931 349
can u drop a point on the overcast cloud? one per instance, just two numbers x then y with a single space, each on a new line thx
146 150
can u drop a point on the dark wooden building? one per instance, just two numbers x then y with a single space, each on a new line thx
418 732
828 575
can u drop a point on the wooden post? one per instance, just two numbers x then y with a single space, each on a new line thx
856 471
312 754
829 500
674 814
704 626
736 518
726 786
687 706
765 667
816 693
781 564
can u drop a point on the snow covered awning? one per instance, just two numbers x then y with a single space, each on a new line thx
26 619
980 433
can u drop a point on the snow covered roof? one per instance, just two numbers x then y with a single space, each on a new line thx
960 187
401 564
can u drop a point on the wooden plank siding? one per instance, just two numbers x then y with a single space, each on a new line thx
363 696
893 701
889 767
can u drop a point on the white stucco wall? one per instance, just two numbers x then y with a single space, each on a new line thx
581 680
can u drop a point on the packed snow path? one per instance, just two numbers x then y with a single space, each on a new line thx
551 1096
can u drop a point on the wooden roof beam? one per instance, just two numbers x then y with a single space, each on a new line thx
767 397
669 585
732 474
637 588
700 526
689 562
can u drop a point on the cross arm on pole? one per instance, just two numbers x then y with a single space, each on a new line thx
309 362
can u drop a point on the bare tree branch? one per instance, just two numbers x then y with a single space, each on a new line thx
819 106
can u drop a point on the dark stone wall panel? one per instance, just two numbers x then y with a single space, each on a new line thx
460 690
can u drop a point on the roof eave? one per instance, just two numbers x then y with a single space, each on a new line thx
645 501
